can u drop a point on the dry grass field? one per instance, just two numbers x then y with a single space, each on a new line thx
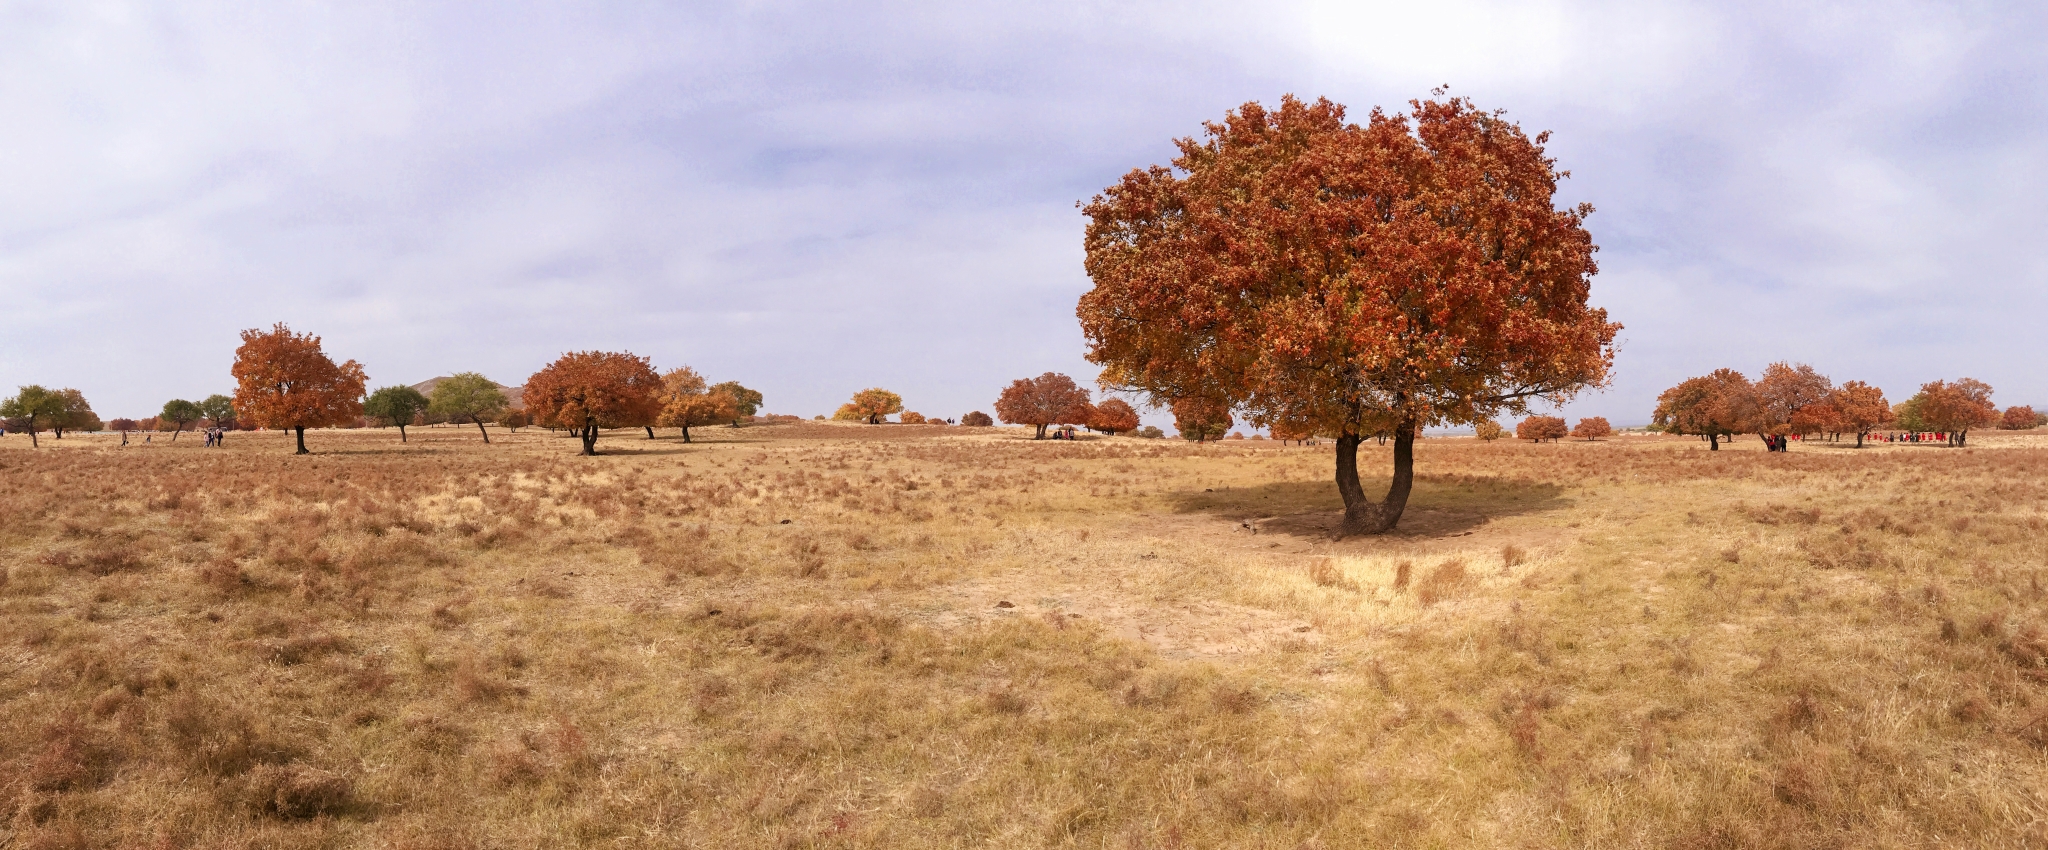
846 636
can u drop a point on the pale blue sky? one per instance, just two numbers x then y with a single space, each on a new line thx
812 199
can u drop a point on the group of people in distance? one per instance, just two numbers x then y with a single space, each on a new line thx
1064 432
1911 437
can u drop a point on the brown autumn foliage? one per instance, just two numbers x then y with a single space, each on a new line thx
1201 419
284 380
1367 279
977 419
2020 418
688 401
1049 399
1114 416
588 390
911 417
1537 428
1720 404
1957 407
1859 408
1792 400
871 405
1592 428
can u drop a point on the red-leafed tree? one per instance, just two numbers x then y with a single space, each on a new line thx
1049 399
1792 400
2019 418
1538 428
284 380
1956 407
1365 279
1113 416
1592 428
1859 408
1201 419
1720 404
589 390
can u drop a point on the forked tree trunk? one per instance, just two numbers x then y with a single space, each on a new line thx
589 435
1361 515
1041 432
301 431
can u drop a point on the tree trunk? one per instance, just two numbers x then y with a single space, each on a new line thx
1859 439
401 434
686 433
179 428
589 436
1041 432
1713 442
301 430
650 430
32 435
480 429
1362 516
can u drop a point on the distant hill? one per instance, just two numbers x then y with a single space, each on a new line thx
512 394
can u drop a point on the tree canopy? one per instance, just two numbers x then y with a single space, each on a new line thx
1049 399
284 380
35 406
687 401
588 390
1537 428
1113 416
468 395
1372 279
1955 407
1719 404
179 413
395 406
219 409
1592 428
872 405
1201 419
745 402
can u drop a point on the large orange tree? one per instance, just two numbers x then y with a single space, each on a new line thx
588 390
1956 407
1365 279
284 380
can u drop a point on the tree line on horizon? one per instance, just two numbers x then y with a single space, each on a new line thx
1794 399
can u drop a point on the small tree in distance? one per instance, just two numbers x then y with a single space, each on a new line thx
1049 399
218 409
1113 416
395 406
77 415
977 419
1201 419
1538 428
588 390
284 380
2019 418
513 420
1956 407
1489 430
32 403
745 402
874 404
1720 404
178 413
1592 428
468 395
687 401
1860 408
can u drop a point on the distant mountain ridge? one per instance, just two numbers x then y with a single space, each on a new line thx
512 394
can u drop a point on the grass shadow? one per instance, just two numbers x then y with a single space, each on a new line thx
1312 509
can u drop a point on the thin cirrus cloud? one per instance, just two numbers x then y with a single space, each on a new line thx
816 199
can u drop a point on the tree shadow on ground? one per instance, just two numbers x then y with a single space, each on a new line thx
1312 509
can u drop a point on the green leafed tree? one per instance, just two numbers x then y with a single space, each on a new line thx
468 396
395 405
178 413
35 406
748 401
218 409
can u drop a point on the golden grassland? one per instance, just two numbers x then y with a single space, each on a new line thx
852 636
